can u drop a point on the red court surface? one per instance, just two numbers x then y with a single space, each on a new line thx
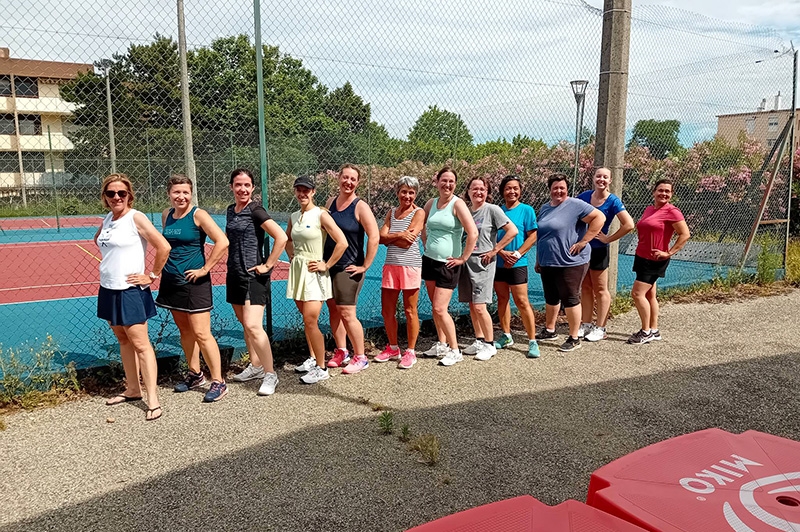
57 270
526 514
708 480
46 222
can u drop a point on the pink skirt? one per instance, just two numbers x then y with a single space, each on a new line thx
401 277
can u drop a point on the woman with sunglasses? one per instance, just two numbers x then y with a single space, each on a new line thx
124 299
186 284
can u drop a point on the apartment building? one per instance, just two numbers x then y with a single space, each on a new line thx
763 125
30 107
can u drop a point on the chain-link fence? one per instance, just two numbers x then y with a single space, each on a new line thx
398 89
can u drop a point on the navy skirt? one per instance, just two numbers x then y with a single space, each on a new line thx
125 307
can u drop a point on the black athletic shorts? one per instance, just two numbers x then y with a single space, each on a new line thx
563 284
238 290
444 277
649 271
511 276
599 259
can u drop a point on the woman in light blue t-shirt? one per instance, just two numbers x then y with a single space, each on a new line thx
595 284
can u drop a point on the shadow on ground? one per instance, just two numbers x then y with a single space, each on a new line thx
348 477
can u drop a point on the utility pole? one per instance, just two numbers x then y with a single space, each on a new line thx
188 145
112 146
611 106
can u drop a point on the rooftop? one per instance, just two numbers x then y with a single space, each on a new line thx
40 69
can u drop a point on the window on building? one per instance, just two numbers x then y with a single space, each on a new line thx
772 125
31 161
26 87
750 125
28 124
770 143
5 86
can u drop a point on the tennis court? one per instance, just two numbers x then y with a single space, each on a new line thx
50 279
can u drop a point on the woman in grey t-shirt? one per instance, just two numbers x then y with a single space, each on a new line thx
475 286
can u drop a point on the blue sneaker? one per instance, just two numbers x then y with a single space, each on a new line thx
191 380
504 341
533 349
217 391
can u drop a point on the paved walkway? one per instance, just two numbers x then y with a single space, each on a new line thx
312 457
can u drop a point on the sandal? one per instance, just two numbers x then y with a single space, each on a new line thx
121 398
149 414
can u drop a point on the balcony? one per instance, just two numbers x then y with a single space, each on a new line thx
39 106
36 143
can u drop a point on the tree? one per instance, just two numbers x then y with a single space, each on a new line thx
438 135
660 137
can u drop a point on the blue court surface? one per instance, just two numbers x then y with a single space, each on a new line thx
84 339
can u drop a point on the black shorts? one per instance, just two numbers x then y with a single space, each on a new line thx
563 284
131 306
599 259
346 288
185 297
511 276
444 277
649 271
239 290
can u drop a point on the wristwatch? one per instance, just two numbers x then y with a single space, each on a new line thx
153 276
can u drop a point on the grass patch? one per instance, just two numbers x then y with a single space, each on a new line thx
386 422
429 448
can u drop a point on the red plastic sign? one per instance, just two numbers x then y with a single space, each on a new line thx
526 514
706 481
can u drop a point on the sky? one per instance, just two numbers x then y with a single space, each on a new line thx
504 66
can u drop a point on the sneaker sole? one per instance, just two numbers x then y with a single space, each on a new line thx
334 365
353 371
596 339
548 339
448 364
248 379
381 360
315 382
647 341
264 394
407 367
573 348
223 394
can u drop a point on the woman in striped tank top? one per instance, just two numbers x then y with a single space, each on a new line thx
402 271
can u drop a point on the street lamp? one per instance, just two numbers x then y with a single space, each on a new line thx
579 90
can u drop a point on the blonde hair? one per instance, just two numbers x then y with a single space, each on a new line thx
116 178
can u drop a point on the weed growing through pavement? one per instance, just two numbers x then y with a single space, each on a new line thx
386 422
405 433
377 407
429 448
40 377
2 425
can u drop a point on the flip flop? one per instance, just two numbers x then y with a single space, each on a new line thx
121 398
150 413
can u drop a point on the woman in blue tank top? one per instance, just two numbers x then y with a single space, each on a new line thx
354 217
186 284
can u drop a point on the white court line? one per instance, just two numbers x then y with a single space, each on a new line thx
45 222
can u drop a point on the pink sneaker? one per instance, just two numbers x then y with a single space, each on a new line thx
340 358
387 354
357 364
408 360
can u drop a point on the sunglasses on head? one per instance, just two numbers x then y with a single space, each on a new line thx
111 193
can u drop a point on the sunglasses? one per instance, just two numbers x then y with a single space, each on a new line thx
111 193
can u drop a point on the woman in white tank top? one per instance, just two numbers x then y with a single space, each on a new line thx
124 299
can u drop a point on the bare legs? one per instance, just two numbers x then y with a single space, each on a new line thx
137 353
594 291
520 293
481 321
255 337
195 329
440 301
316 343
644 297
344 323
573 318
389 311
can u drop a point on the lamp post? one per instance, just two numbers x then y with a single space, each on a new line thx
579 90
112 147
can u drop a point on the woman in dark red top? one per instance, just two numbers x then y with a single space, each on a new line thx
656 227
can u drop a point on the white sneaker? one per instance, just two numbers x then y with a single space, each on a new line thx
315 375
268 384
486 352
309 363
596 334
451 357
473 348
438 350
584 330
250 373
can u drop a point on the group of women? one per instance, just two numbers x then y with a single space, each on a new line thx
468 243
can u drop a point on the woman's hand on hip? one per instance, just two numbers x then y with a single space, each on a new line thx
193 275
139 279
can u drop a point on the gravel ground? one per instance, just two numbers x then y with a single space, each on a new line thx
313 458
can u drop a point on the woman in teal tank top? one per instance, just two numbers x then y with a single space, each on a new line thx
447 219
186 284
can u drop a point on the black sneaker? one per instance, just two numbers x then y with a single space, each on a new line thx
192 380
656 334
571 344
544 334
640 337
